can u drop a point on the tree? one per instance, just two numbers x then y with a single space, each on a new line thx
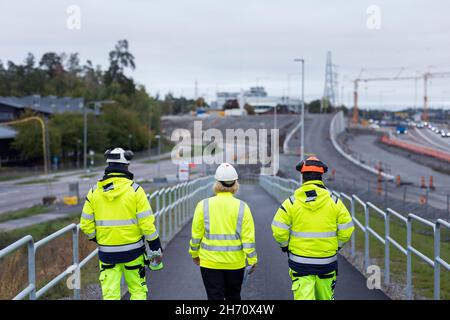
134 113
250 109
28 140
121 123
120 59
52 63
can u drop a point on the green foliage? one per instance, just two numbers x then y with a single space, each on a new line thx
132 116
173 105
316 105
250 109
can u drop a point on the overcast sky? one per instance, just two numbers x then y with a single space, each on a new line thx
227 45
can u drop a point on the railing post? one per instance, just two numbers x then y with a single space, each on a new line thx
408 259
32 269
163 215
366 237
182 203
170 212
77 275
437 266
387 253
175 209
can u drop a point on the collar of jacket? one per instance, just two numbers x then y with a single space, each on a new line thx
224 194
117 170
117 174
316 182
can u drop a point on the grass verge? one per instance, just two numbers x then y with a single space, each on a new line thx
36 181
422 240
51 259
23 213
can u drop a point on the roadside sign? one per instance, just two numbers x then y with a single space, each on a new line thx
183 171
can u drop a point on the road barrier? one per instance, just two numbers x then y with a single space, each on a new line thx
336 127
281 189
174 208
286 149
429 152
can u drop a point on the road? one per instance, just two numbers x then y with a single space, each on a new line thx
408 169
317 142
181 279
431 139
16 196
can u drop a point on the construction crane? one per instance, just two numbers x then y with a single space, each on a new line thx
426 76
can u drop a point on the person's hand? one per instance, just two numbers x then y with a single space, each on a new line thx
196 261
253 268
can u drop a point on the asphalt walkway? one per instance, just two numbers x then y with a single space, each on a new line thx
181 279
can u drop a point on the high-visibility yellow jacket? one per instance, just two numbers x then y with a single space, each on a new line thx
312 224
118 215
223 233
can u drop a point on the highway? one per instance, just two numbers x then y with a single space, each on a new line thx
181 279
431 139
409 170
317 142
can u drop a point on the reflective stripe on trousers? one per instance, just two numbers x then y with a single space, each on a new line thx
122 248
317 261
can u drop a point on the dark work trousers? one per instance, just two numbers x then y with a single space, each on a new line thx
223 284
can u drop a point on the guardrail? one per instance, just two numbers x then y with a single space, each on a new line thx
333 137
281 188
286 148
174 207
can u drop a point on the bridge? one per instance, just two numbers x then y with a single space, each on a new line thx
180 279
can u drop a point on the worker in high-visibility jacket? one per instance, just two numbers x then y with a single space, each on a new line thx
118 217
223 238
311 226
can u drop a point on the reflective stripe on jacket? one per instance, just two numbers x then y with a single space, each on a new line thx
223 233
313 223
117 213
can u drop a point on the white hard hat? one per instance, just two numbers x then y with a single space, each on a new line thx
226 172
118 155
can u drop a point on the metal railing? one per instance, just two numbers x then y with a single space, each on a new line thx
281 188
174 207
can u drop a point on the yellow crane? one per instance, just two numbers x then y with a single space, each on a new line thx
44 145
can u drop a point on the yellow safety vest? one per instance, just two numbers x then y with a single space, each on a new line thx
223 233
117 213
313 223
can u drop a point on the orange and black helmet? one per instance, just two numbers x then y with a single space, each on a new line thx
312 164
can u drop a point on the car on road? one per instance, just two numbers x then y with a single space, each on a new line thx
401 129
420 125
445 134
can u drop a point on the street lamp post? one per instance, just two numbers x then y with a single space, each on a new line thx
159 155
302 138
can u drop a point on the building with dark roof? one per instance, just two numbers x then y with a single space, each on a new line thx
12 107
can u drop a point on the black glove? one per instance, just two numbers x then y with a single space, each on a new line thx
93 239
155 245
284 249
